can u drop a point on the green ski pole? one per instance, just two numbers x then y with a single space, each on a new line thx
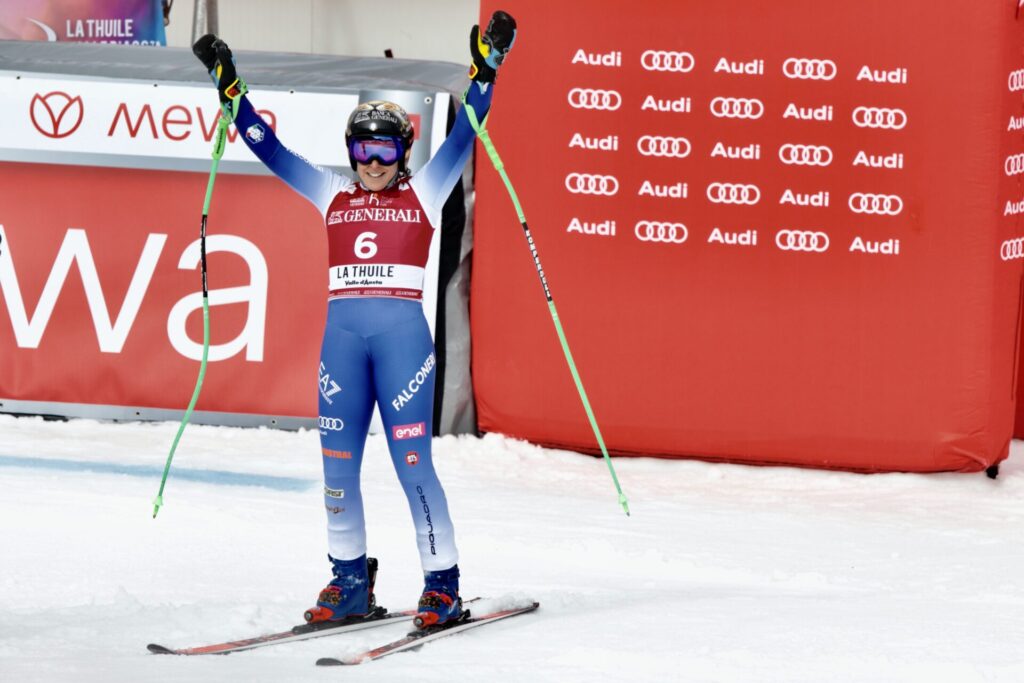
499 166
218 152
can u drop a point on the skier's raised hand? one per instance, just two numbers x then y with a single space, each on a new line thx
215 55
489 50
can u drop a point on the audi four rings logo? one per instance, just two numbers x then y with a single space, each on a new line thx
737 108
586 183
658 146
666 60
655 231
1014 164
1012 249
801 240
585 98
884 204
805 155
879 117
332 424
813 69
730 193
1016 81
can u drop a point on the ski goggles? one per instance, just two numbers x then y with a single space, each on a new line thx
385 149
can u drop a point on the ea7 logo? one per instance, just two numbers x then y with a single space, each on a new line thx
328 387
56 114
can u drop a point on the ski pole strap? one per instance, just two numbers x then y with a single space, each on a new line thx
492 152
218 152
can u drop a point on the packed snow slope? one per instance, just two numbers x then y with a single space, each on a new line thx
722 573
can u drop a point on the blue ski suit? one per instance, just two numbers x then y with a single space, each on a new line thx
377 345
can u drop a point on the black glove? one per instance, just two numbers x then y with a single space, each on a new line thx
215 55
489 50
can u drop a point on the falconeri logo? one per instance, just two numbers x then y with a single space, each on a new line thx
56 114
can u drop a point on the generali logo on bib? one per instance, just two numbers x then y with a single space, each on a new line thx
56 114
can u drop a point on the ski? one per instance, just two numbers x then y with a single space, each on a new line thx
416 639
378 617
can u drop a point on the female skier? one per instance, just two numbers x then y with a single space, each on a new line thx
376 345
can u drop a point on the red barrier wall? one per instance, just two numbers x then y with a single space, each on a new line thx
121 211
775 233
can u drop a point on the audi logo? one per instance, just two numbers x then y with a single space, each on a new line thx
1012 249
332 424
884 204
658 146
1016 80
737 108
812 69
801 240
664 60
586 183
805 155
655 231
1014 164
879 117
585 98
730 193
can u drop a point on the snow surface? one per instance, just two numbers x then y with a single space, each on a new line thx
723 572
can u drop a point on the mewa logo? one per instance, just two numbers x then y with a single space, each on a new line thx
58 114
112 333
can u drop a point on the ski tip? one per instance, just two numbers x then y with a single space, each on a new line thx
160 649
329 661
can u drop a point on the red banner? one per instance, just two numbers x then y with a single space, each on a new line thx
779 233
99 272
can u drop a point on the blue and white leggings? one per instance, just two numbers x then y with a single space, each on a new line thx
380 350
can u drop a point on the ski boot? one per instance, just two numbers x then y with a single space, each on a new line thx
440 603
349 594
